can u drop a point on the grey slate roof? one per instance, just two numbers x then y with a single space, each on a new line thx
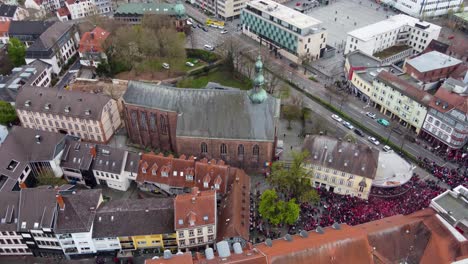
38 208
28 28
50 36
9 202
209 113
356 159
7 10
360 59
79 102
21 145
108 159
133 159
134 217
79 212
432 61
77 155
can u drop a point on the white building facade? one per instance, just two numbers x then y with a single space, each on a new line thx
119 181
11 244
396 30
81 8
425 8
104 244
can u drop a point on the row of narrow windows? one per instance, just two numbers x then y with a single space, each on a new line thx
223 149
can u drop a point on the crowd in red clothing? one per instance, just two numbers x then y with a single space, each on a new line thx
354 211
452 177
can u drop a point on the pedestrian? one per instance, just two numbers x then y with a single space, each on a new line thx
284 135
291 147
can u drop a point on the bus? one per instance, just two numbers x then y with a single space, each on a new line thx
214 23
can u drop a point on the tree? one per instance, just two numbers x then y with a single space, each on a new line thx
16 52
291 112
277 211
103 69
295 180
7 113
350 138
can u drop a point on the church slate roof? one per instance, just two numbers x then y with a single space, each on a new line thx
209 113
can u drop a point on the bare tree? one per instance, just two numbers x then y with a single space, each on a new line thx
272 82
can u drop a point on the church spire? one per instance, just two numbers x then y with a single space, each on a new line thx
257 94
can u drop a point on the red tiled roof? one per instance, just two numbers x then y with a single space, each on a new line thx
452 99
235 209
206 175
4 26
185 258
63 11
92 41
405 87
195 209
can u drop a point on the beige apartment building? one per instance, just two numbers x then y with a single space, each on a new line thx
341 167
92 117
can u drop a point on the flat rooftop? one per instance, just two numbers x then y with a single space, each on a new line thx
392 23
432 61
285 13
455 203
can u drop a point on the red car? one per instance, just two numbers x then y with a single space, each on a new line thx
298 4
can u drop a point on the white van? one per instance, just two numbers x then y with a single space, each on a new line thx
166 66
209 47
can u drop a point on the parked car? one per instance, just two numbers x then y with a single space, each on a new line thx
348 125
209 47
359 132
298 4
387 148
337 118
383 122
293 65
373 140
188 63
371 115
199 26
224 31
204 29
166 66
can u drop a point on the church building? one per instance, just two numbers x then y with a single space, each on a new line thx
239 127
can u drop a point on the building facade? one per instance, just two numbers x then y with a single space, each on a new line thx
167 118
90 49
226 10
56 46
400 99
446 123
288 32
81 8
12 13
4 37
397 30
92 117
431 67
103 6
340 167
422 8
195 217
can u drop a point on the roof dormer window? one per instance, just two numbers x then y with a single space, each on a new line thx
88 112
27 103
47 106
67 109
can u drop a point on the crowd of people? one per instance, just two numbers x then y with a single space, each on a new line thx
354 211
452 177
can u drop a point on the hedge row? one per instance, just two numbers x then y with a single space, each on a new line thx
203 55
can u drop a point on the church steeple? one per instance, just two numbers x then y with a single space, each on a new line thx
257 94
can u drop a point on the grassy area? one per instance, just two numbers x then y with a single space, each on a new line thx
178 65
391 51
312 78
219 76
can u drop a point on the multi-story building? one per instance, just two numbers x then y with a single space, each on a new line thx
135 225
76 162
286 31
401 98
340 167
115 168
92 117
168 118
47 5
223 9
398 30
4 37
103 6
451 206
12 13
430 67
195 219
132 13
37 73
28 31
422 8
37 220
174 175
91 50
446 123
80 8
56 46
26 154
74 224
11 243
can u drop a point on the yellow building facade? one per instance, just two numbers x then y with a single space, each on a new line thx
156 242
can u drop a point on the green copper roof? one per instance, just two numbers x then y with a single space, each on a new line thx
143 8
257 94
258 97
179 9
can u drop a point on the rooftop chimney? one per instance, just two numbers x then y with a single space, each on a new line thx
60 202
195 190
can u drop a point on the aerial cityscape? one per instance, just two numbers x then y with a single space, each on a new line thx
234 131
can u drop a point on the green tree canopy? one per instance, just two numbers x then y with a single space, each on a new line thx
7 113
295 180
291 112
16 52
277 211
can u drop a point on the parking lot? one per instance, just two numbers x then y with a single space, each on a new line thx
342 16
